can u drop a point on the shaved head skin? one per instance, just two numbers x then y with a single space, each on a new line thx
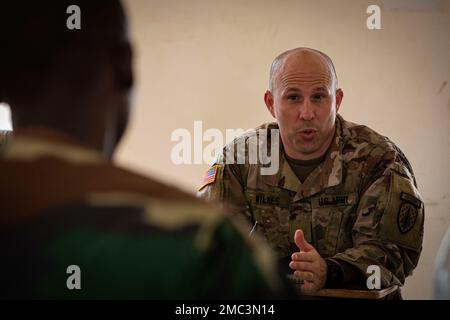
304 98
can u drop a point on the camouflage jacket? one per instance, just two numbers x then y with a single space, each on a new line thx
131 237
361 205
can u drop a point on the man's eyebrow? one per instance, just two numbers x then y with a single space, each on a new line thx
292 89
322 89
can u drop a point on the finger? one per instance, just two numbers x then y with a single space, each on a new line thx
308 287
300 241
302 266
304 256
304 275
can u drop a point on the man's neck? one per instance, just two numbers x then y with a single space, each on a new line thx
47 133
56 135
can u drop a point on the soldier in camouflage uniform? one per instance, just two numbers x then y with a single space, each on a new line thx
344 197
62 200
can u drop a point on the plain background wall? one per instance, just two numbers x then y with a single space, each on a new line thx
209 60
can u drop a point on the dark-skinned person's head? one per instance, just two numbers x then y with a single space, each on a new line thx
66 69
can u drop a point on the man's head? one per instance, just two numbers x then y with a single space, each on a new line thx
75 81
304 98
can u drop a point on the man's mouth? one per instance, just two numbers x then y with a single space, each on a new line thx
308 133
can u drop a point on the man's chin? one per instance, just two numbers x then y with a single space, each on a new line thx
306 148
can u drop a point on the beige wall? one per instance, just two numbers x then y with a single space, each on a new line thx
209 60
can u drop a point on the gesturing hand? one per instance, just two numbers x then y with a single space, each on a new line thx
309 266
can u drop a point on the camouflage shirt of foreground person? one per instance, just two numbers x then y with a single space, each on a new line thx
360 206
132 237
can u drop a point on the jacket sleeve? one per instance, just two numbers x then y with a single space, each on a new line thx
388 230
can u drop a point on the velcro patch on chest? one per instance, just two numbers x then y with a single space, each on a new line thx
332 201
269 200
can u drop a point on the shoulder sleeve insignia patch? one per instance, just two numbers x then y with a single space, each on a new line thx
403 217
407 217
411 199
209 177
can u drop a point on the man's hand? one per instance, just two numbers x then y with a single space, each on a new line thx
309 266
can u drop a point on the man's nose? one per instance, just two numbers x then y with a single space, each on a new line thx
306 111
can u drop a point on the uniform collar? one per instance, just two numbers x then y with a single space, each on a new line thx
326 175
35 143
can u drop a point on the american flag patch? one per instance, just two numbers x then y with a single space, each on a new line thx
209 177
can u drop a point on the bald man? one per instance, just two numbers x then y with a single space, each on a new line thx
344 197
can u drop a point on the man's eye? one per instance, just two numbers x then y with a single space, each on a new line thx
318 97
293 97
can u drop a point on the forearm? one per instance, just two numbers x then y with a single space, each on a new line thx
341 274
389 258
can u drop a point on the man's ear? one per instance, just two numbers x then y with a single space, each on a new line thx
124 67
268 99
339 97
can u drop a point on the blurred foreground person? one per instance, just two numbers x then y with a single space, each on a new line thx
74 225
